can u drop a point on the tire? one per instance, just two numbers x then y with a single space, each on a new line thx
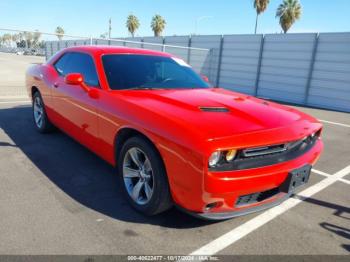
41 121
152 173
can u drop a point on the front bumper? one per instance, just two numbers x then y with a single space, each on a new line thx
225 188
231 214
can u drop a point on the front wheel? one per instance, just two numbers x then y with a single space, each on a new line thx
41 121
143 177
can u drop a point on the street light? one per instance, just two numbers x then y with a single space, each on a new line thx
198 20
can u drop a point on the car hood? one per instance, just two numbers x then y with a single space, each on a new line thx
218 113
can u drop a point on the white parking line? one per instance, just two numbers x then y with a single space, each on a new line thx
15 102
344 181
328 175
241 231
333 123
320 173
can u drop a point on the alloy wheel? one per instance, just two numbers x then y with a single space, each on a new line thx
38 111
138 176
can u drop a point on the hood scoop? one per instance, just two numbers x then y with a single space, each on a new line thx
214 109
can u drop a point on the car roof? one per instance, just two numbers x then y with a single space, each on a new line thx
105 49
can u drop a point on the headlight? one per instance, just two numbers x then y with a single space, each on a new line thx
222 156
214 158
230 155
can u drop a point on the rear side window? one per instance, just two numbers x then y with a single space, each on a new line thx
78 63
60 65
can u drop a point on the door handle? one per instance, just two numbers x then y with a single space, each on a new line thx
55 85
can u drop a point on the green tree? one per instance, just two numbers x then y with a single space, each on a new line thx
132 23
20 36
104 35
42 44
59 32
288 12
260 7
158 24
36 37
28 36
7 38
15 38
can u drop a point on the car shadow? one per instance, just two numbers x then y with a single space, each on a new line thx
346 247
341 231
6 144
339 211
79 173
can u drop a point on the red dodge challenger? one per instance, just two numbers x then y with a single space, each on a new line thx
174 139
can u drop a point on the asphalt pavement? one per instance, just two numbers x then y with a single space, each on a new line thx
56 197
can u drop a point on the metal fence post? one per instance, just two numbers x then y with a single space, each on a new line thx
218 73
311 69
163 47
189 49
261 51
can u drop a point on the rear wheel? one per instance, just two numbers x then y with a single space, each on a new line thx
41 121
143 177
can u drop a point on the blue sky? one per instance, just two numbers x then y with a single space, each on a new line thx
90 17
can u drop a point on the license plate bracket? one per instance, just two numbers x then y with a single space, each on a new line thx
296 178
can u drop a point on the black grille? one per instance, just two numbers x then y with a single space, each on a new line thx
257 197
266 150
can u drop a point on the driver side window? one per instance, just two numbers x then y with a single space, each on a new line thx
170 70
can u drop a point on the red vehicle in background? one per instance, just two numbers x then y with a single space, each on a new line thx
175 139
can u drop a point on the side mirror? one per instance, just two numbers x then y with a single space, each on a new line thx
76 79
205 78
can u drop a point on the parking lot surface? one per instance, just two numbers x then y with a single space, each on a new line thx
12 74
56 197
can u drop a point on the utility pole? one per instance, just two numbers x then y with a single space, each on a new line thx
110 28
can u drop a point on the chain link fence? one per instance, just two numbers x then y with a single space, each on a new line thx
307 69
199 58
19 49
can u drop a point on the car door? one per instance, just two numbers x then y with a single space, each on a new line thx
76 110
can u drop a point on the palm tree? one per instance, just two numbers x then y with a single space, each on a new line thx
59 32
288 12
260 7
132 23
158 23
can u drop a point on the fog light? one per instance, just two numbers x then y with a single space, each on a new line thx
214 158
230 155
211 206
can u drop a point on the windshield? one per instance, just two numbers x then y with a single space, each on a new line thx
149 72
